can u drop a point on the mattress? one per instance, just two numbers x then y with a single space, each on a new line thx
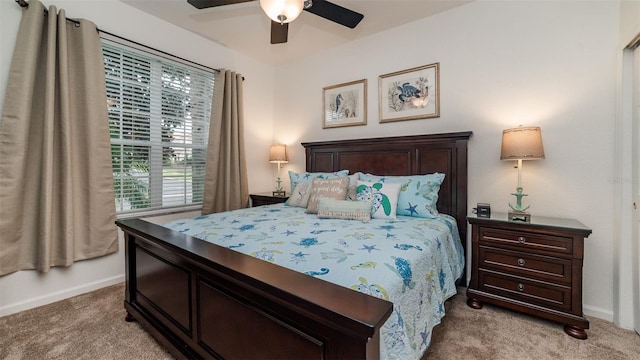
412 262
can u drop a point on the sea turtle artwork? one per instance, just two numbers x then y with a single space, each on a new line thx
370 289
378 199
306 242
266 254
337 254
408 91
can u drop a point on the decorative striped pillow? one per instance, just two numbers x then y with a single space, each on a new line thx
344 209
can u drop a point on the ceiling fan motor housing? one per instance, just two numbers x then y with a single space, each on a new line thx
282 11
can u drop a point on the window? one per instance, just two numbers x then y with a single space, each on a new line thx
159 111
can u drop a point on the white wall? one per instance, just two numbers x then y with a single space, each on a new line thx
502 64
26 289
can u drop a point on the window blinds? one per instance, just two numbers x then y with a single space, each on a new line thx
159 112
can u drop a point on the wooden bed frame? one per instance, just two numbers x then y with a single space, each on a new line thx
201 300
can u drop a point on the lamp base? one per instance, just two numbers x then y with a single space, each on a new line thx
280 193
519 216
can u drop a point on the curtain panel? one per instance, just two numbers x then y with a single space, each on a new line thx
226 185
57 202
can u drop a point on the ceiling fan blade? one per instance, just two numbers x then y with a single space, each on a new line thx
203 4
279 32
335 13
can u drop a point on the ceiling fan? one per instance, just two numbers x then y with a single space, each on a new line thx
282 12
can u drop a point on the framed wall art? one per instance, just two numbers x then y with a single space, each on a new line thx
345 104
410 94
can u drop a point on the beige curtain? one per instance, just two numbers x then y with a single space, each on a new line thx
56 184
225 185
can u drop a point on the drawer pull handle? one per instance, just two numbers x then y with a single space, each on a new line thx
521 262
521 239
520 287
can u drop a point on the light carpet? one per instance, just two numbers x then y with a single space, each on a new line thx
92 326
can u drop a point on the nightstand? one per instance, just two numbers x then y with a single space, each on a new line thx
267 198
534 267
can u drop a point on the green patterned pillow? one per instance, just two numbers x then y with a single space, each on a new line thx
344 209
419 193
383 197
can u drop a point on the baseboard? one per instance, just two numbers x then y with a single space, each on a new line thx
59 295
598 312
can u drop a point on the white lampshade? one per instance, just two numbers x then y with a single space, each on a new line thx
278 154
282 11
522 143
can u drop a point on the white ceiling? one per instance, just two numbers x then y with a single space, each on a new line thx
246 29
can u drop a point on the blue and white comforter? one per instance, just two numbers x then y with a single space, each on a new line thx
412 262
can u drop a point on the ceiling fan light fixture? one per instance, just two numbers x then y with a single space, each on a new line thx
282 11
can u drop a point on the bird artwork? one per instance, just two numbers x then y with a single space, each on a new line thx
338 102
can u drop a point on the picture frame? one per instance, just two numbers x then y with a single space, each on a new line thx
410 94
344 104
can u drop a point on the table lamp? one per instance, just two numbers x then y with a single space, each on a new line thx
278 155
521 143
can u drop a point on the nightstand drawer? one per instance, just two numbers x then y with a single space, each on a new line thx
521 263
527 290
527 240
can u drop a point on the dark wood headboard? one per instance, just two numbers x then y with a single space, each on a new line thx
403 155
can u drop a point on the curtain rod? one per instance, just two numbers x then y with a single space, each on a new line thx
24 4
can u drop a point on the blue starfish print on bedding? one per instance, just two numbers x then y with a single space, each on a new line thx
425 335
235 246
288 232
200 217
369 248
234 221
412 209
298 257
387 227
389 236
229 236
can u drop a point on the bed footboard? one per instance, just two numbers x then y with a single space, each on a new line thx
201 300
